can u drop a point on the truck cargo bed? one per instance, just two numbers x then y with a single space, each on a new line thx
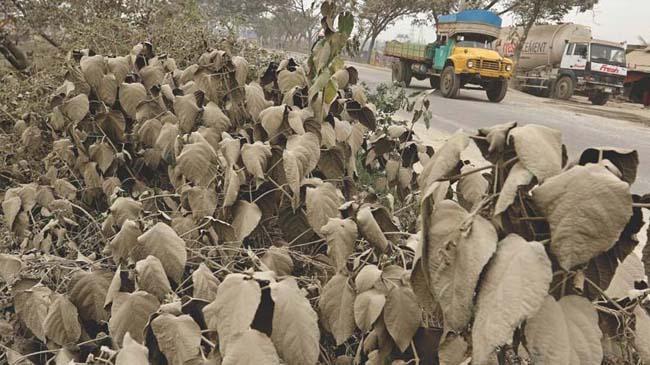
409 51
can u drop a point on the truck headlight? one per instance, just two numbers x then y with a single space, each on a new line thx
508 67
470 64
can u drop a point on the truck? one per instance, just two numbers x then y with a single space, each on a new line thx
564 59
461 57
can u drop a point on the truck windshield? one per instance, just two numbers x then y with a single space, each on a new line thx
607 54
474 44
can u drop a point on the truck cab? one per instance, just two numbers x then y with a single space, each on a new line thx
461 57
594 68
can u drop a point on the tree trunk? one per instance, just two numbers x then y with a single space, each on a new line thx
14 54
372 46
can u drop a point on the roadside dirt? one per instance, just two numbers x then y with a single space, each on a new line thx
616 110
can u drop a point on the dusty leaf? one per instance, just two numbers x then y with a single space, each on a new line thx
565 332
625 160
514 288
300 158
453 351
547 334
125 241
642 333
246 217
252 348
202 201
62 322
132 352
587 208
125 208
341 235
278 260
32 306
471 188
367 278
204 283
402 315
464 252
179 338
255 101
631 270
87 291
539 149
444 161
367 308
162 242
10 208
131 95
10 266
337 308
233 309
255 157
322 203
370 229
130 313
198 162
151 277
519 175
295 324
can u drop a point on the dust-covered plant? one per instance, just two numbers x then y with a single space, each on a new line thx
200 214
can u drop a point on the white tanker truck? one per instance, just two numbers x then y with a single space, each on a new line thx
563 59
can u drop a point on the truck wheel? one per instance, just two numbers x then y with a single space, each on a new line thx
497 91
396 74
407 73
449 83
599 99
564 88
435 82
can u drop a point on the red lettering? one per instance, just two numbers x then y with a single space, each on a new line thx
609 69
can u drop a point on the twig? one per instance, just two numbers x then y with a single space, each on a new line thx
614 303
472 171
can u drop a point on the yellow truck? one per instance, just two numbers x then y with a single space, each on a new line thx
461 57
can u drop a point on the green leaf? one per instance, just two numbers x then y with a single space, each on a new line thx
346 23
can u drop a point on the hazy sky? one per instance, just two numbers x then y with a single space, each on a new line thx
614 20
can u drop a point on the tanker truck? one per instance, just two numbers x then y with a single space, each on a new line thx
461 57
562 60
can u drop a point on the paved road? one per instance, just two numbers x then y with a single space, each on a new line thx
582 125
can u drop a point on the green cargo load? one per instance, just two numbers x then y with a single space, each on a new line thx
412 51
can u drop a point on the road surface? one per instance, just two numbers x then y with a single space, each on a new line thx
582 124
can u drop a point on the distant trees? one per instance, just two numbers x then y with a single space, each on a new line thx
377 15
277 23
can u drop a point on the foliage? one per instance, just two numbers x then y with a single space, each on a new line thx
198 215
